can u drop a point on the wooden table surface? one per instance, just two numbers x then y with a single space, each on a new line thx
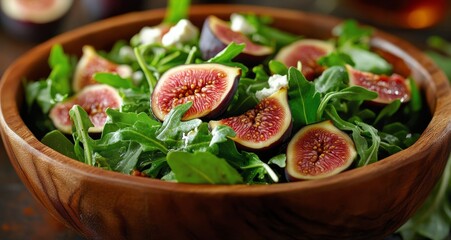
21 217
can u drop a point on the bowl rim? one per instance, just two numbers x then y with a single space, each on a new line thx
14 127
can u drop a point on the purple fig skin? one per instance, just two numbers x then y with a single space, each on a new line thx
210 44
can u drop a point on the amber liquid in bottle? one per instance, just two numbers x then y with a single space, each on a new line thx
413 14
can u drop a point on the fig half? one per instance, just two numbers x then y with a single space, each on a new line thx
209 86
216 35
94 99
264 126
306 51
91 63
389 88
318 151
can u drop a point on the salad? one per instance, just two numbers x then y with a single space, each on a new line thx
234 102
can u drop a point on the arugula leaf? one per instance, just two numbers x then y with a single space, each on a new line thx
135 100
254 170
220 134
80 125
332 79
277 67
367 61
57 86
350 33
59 142
304 100
145 135
202 167
336 58
227 54
353 93
267 35
369 154
112 79
176 10
172 125
388 110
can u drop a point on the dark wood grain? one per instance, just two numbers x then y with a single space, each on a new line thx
365 203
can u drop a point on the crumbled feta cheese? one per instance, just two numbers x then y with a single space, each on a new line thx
124 71
239 24
149 35
275 82
184 31
126 52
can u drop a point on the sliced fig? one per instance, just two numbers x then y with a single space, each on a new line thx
34 20
306 51
318 151
209 86
94 99
264 126
216 35
91 63
389 88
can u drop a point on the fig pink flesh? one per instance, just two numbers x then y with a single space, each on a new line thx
320 151
389 88
260 123
206 87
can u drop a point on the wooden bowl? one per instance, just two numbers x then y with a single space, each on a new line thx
365 203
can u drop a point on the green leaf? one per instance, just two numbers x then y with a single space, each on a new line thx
221 133
148 72
254 170
59 142
304 99
369 155
332 79
268 35
350 33
416 101
202 168
229 53
112 79
173 127
336 58
388 111
80 125
277 67
129 119
353 93
145 135
279 160
176 11
367 61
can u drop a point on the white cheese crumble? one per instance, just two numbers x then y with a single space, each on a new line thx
275 82
184 31
124 71
126 52
149 35
239 24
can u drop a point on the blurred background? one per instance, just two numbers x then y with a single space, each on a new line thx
26 23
